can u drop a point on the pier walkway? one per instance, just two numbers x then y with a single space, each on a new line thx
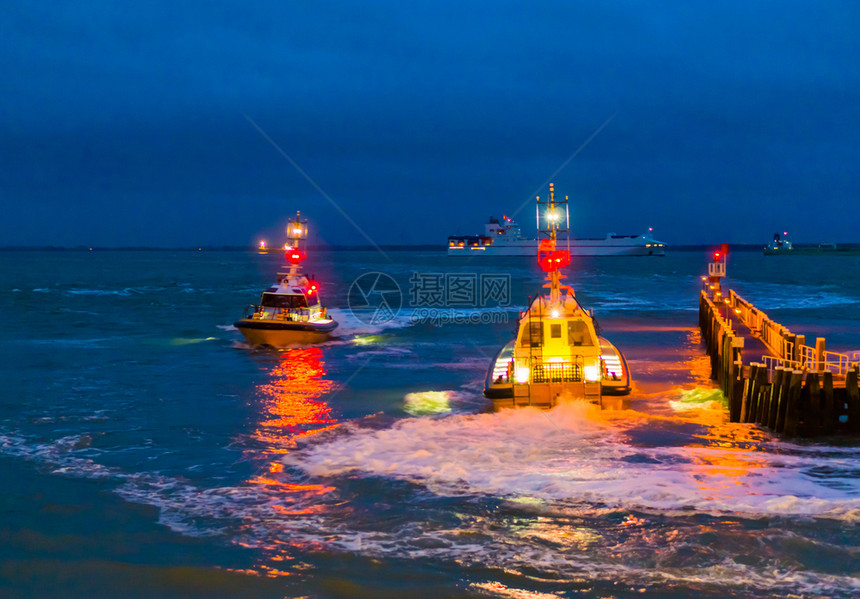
769 375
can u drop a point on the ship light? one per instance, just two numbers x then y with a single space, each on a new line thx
552 217
262 245
612 367
295 256
554 314
297 231
591 372
522 374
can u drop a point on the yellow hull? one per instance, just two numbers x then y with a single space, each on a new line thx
282 337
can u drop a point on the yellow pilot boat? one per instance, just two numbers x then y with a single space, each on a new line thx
290 311
558 354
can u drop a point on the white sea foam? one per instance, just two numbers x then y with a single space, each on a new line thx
572 454
348 324
123 292
87 343
635 552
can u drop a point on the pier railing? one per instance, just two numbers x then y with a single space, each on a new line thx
789 349
796 391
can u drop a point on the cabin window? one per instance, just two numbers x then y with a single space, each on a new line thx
532 335
555 331
275 300
578 333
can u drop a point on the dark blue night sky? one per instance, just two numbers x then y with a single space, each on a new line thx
132 123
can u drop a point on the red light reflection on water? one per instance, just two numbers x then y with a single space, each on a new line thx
291 409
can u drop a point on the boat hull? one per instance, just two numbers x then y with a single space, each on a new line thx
598 247
812 251
284 334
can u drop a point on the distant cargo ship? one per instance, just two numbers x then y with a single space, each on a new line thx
782 246
503 238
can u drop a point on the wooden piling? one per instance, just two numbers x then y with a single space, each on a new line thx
812 421
776 392
737 391
828 407
853 400
799 342
790 424
758 379
749 386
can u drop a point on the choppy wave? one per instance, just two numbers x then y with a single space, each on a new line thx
537 528
348 324
573 454
772 296
126 291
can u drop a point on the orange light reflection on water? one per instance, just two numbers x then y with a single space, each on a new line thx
291 409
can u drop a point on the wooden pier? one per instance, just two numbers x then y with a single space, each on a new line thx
768 374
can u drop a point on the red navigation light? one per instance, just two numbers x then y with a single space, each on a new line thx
313 287
717 256
295 256
551 259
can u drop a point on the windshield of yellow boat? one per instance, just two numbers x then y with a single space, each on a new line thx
578 333
282 300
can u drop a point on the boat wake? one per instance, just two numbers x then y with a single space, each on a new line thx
572 495
577 455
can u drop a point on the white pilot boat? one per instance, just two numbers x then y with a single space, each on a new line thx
504 238
558 353
290 311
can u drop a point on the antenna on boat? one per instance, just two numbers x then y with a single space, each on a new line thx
550 258
297 231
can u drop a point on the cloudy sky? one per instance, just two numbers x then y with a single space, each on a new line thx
156 123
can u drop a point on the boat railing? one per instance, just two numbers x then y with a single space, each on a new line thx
556 372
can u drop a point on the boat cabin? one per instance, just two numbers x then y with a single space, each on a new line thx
296 301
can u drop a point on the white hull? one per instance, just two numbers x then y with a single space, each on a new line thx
579 247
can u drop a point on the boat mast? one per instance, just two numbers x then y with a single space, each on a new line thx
297 231
549 257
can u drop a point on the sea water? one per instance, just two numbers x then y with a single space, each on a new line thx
147 451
